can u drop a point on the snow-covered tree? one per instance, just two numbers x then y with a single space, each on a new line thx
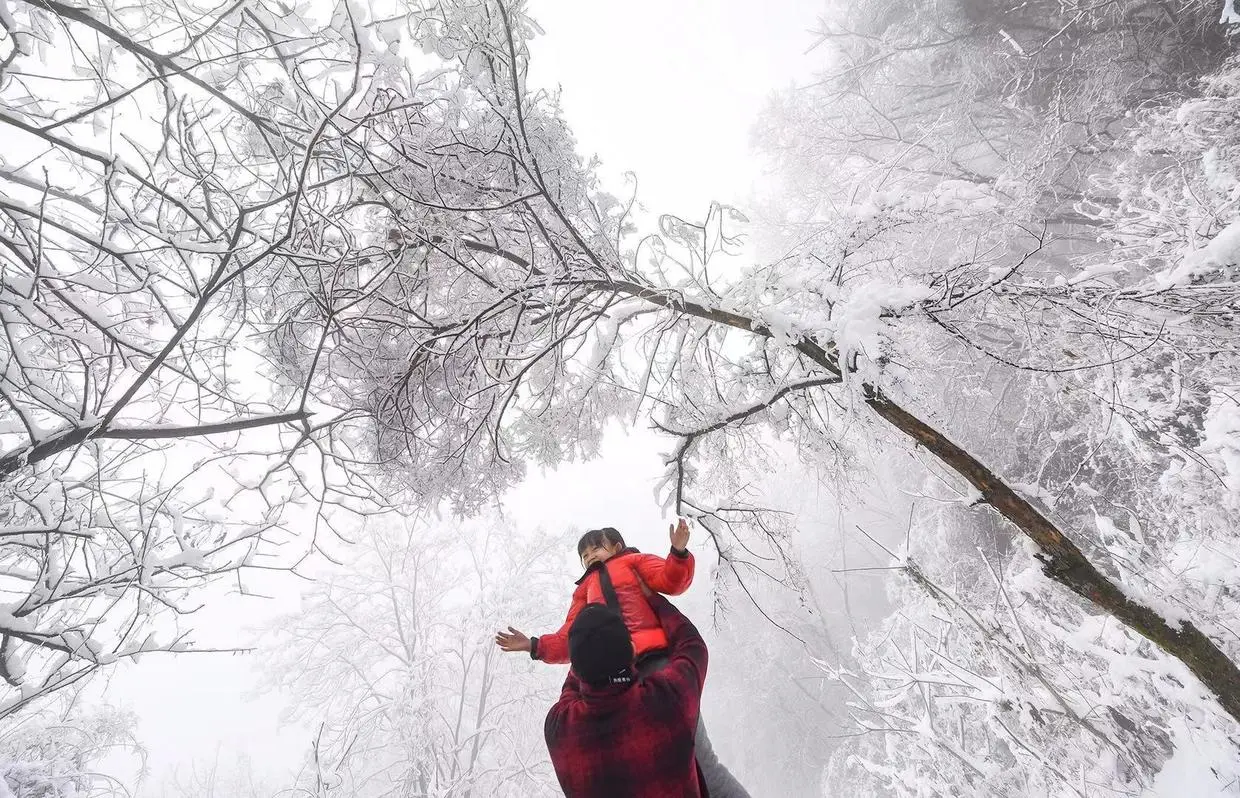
392 659
58 753
488 377
155 158
1023 98
1089 356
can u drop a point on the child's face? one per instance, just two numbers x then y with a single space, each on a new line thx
600 553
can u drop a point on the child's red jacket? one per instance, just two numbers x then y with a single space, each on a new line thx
614 583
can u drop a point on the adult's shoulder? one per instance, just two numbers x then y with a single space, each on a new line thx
667 696
557 718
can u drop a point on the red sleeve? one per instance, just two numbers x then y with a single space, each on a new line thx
687 653
553 648
671 576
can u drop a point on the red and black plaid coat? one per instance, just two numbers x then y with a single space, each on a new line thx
634 739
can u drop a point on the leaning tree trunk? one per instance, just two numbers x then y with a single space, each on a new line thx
1063 561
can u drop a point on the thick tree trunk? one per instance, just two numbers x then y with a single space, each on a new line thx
1067 564
1064 562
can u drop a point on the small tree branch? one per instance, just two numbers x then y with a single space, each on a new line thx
199 430
67 439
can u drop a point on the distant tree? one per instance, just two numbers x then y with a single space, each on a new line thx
58 753
1026 99
221 778
392 659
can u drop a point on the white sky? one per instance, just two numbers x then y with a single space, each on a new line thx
665 88
669 88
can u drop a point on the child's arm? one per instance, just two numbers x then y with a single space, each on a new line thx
553 648
673 575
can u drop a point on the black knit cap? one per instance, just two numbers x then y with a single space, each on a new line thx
599 646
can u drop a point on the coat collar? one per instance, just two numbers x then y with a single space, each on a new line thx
608 694
598 565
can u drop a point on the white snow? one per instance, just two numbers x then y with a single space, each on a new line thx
970 496
190 557
1096 270
1193 769
856 321
13 623
1221 440
1222 250
1230 15
953 196
1034 491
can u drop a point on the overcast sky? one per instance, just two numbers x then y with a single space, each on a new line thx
664 88
669 88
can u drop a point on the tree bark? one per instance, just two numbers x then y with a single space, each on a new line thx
1065 563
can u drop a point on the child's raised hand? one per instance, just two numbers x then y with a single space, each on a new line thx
679 535
512 640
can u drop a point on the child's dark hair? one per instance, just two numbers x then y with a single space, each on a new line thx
609 536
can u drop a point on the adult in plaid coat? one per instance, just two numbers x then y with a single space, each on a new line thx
613 734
